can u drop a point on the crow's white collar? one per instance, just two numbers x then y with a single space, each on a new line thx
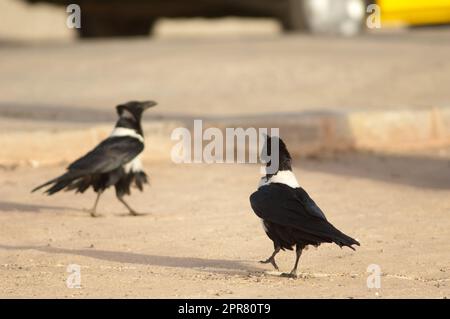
123 131
282 177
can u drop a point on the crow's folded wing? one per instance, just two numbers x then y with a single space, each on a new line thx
284 205
308 204
292 207
108 155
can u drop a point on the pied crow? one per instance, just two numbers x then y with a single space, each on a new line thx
289 216
115 161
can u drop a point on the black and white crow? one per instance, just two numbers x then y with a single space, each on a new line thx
289 216
115 161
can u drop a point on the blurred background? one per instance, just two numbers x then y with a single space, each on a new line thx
42 19
220 58
227 59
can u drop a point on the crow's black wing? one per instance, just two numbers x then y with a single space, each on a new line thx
108 155
308 204
105 157
284 203
290 207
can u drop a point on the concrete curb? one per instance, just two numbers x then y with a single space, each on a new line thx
306 133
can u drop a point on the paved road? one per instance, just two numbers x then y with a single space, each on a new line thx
226 75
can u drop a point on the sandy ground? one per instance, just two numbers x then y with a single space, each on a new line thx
203 240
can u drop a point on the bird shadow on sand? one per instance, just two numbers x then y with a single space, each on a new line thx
220 266
34 208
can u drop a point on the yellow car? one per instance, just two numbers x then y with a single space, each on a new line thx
414 12
350 16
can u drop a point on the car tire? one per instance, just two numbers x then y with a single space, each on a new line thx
97 25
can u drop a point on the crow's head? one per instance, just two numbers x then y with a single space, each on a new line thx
279 153
134 109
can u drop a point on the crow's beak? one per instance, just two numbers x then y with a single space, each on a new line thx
148 104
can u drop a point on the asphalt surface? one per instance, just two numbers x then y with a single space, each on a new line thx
225 76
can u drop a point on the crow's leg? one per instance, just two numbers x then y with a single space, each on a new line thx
131 210
298 253
93 210
271 259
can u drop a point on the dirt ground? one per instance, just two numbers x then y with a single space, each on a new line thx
203 240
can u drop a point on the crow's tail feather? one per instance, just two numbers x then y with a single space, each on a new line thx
59 183
341 239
